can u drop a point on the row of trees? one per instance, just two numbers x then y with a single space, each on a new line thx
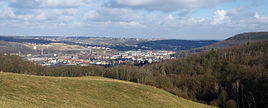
235 77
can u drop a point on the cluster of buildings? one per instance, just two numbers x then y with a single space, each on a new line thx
137 58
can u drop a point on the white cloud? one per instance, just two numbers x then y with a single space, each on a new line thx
7 13
63 3
220 17
41 16
112 14
38 16
48 3
170 17
202 20
174 21
163 5
261 18
90 15
132 23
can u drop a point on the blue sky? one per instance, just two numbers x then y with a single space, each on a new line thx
169 19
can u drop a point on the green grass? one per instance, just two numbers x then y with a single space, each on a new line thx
17 90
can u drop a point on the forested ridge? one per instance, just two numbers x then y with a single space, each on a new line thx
232 77
235 40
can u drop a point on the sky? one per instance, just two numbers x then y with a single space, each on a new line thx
165 19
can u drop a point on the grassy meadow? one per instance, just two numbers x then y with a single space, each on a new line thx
18 90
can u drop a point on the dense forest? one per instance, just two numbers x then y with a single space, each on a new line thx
231 77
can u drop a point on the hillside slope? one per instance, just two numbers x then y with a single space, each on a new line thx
19 90
241 39
13 47
176 45
235 40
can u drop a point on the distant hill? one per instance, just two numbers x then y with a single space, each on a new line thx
14 47
249 36
238 39
121 44
18 90
176 45
23 40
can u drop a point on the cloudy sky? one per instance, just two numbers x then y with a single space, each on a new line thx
179 19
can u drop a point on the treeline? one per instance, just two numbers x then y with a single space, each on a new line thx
16 64
235 77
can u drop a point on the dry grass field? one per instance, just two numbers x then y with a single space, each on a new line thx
18 90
